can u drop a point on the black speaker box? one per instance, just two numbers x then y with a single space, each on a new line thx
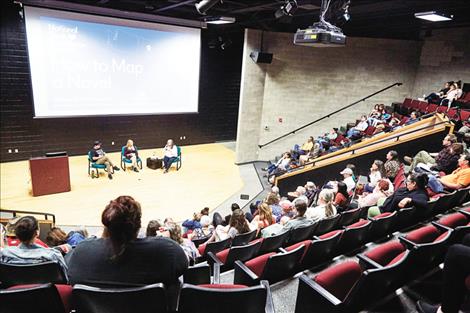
261 57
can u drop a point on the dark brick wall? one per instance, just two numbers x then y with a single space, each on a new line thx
216 121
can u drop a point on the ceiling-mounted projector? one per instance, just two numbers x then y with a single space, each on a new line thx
322 33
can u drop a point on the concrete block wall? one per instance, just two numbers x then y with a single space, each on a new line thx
445 55
304 83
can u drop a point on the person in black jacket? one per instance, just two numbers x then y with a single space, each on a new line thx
120 258
414 194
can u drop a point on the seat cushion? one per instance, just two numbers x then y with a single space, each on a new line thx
257 264
339 279
385 253
453 220
222 255
201 249
307 244
65 293
330 234
441 236
397 259
383 215
358 224
423 235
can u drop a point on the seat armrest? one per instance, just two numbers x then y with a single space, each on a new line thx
440 226
367 263
282 250
212 259
216 273
408 244
269 297
320 290
243 275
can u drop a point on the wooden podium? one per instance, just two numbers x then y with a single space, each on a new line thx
49 175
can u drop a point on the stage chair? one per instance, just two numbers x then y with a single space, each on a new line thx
226 258
272 267
301 233
273 243
382 225
146 299
243 239
31 298
226 298
125 160
179 159
459 222
93 166
40 273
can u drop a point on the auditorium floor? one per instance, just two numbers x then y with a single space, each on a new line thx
208 177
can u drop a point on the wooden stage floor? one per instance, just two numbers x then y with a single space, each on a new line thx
207 177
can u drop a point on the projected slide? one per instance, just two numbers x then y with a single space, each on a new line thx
85 65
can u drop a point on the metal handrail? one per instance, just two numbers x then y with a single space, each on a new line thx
46 215
328 115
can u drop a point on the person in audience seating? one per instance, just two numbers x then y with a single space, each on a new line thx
377 172
237 225
300 191
433 158
348 178
174 233
205 211
311 154
28 252
264 218
287 208
74 237
304 149
191 224
342 196
205 230
414 117
392 165
455 273
170 154
299 219
356 131
273 201
453 94
131 153
100 157
119 257
281 165
325 206
57 239
445 164
12 240
460 178
414 194
436 97
152 228
380 192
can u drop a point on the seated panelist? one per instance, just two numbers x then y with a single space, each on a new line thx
100 157
170 154
131 153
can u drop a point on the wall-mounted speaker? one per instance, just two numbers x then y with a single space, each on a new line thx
261 57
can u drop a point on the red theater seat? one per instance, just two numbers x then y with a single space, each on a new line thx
33 298
226 258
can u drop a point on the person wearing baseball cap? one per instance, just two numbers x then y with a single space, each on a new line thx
100 157
348 178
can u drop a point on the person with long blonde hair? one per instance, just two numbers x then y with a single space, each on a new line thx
130 153
264 218
325 206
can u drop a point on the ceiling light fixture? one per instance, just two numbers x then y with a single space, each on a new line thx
218 20
433 16
203 6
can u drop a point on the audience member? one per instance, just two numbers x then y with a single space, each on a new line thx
460 178
131 153
348 179
300 219
436 97
380 191
120 257
174 232
377 172
414 194
325 207
300 191
453 94
28 252
74 237
12 240
273 201
237 225
280 166
304 149
191 224
264 219
342 196
392 165
153 228
56 238
414 117
205 230
170 152
100 157
356 131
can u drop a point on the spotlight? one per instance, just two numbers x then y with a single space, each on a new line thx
287 9
203 6
434 16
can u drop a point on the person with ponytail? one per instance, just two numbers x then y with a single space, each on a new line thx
119 257
325 206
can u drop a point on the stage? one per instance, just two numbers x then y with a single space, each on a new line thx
207 177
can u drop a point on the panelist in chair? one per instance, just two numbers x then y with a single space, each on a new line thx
100 157
131 153
170 155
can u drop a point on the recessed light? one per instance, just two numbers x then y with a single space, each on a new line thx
433 16
220 20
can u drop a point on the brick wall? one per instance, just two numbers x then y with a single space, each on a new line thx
304 83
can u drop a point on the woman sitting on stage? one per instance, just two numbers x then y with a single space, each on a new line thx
131 153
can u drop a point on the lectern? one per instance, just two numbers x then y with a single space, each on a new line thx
49 175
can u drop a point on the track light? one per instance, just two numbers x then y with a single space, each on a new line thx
203 6
287 9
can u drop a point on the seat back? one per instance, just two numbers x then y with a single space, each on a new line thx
339 279
122 151
243 239
453 220
399 180
321 249
282 265
21 274
178 149
200 241
354 236
273 243
146 299
444 203
422 106
405 218
217 246
460 196
382 225
197 275
229 298
241 253
90 156
327 224
407 102
39 298
301 233
349 217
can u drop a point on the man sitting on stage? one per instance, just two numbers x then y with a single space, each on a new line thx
171 153
99 157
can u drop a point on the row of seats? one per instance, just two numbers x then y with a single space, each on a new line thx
424 107
352 285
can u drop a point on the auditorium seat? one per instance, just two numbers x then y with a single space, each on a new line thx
20 274
432 108
348 217
272 267
213 247
354 236
227 257
461 196
422 106
200 241
301 233
146 299
459 222
273 243
444 202
243 239
226 298
327 224
198 274
400 178
31 298
405 218
382 225
427 247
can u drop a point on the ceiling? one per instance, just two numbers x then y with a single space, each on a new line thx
369 18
